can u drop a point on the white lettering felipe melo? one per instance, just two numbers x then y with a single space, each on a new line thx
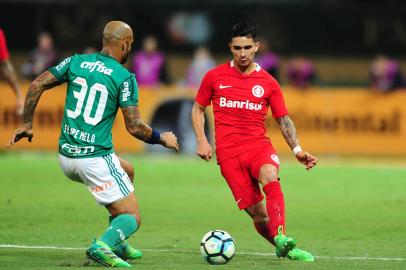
98 66
240 104
79 134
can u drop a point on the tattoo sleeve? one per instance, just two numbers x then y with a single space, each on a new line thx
288 131
43 82
135 125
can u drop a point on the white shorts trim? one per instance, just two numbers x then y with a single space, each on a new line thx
104 176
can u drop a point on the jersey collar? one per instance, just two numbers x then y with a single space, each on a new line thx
257 67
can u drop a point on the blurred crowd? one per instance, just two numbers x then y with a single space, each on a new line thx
150 65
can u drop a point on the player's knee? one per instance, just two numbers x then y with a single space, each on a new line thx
268 174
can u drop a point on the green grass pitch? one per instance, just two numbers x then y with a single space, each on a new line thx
343 213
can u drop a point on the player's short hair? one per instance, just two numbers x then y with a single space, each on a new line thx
243 29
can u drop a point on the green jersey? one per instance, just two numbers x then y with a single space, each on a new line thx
97 86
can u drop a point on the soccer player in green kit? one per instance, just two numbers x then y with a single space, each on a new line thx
97 85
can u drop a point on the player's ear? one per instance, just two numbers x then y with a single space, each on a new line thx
257 45
124 45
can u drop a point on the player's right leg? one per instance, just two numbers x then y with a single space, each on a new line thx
125 221
111 187
247 194
264 167
128 205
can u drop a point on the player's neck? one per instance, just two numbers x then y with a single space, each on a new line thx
110 52
245 70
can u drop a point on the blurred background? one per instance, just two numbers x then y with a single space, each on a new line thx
341 64
342 67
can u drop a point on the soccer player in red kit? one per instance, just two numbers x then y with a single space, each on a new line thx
7 70
240 93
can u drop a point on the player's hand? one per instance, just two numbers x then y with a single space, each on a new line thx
20 106
21 132
307 159
204 150
170 141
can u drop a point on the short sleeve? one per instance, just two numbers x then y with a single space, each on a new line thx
205 92
60 71
128 92
3 47
277 102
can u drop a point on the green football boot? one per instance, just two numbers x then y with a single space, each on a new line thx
127 252
283 243
300 255
101 253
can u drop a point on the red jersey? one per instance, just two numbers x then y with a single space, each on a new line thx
3 47
240 105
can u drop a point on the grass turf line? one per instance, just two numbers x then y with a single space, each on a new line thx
333 211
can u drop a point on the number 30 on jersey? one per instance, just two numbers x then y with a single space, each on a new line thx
81 95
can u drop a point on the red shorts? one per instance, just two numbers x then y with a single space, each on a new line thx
242 171
3 47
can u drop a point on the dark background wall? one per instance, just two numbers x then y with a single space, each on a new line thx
312 27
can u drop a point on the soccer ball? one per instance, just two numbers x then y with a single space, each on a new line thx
217 247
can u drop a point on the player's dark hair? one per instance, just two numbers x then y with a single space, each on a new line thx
243 29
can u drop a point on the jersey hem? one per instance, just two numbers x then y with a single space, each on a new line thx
88 156
219 161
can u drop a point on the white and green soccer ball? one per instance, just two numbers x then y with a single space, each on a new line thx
217 247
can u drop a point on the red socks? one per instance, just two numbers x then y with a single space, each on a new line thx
275 206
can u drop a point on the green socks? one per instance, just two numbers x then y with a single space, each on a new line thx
121 227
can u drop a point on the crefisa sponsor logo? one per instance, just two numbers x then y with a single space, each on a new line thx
98 66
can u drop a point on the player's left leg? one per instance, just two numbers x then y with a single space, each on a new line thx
263 164
275 206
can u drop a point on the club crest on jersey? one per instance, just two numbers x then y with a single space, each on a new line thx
258 91
275 158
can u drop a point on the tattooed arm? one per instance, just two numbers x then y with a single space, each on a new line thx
289 133
134 124
140 130
43 82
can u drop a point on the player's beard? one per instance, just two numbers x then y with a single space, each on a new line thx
245 64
